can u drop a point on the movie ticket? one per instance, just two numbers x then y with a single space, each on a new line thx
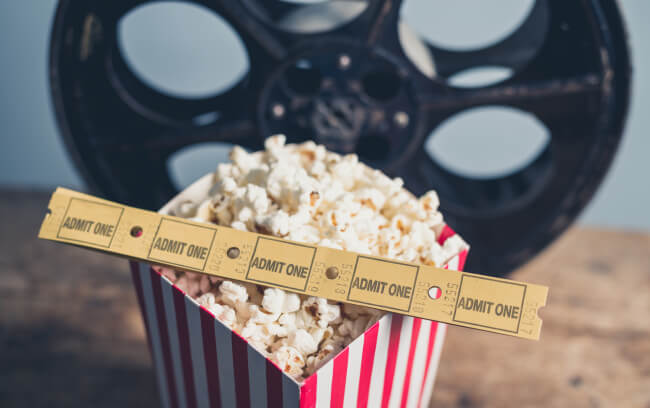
459 298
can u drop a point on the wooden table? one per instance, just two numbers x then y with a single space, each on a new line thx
71 333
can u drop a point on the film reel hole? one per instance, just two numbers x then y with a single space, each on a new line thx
488 142
303 78
169 46
465 25
435 292
480 76
136 231
381 85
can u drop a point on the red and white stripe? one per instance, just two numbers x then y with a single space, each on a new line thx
392 365
200 362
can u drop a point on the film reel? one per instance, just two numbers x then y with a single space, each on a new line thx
357 85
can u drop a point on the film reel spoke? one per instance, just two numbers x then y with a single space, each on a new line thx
552 100
383 15
546 98
264 44
281 27
237 131
240 131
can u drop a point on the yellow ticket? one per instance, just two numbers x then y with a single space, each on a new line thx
459 298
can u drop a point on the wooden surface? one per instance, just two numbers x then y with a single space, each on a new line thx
71 333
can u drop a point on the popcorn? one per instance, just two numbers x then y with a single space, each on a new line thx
319 334
327 350
219 209
290 360
353 328
256 333
242 159
323 311
207 300
227 185
276 224
231 293
259 316
225 314
279 301
307 194
186 209
254 293
302 341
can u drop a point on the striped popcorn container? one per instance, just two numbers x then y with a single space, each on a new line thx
199 362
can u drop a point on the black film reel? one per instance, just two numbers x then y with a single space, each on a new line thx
353 87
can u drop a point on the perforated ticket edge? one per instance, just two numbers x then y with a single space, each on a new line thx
464 299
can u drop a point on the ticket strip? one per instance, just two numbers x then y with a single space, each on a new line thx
464 299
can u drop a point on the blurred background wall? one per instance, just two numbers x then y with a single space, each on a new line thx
184 51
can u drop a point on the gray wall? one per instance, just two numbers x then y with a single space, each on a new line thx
32 155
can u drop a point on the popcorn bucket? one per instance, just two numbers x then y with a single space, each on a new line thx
200 362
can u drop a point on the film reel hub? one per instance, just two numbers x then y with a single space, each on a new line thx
346 96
